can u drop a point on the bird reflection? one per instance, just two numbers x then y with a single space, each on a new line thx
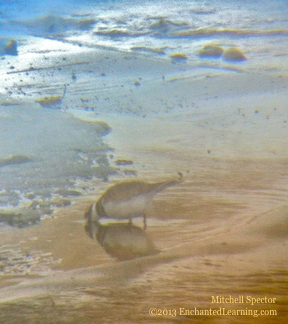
121 240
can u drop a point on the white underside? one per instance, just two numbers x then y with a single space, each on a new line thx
127 208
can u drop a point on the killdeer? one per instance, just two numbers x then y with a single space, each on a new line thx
127 199
121 241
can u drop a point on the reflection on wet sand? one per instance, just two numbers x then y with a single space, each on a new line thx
243 258
121 241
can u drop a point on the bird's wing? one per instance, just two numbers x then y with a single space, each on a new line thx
126 190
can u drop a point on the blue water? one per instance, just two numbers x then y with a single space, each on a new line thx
258 28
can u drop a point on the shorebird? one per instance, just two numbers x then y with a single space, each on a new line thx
121 241
126 200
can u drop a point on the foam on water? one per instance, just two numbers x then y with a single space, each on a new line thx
163 27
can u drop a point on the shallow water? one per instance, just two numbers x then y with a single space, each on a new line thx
93 96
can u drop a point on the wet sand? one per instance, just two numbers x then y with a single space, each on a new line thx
223 231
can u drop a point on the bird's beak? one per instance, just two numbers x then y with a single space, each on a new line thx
91 229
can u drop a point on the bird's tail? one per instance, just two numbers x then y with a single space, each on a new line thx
159 186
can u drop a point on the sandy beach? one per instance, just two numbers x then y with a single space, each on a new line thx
222 231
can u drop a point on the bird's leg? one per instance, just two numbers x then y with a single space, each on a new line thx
130 222
144 221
